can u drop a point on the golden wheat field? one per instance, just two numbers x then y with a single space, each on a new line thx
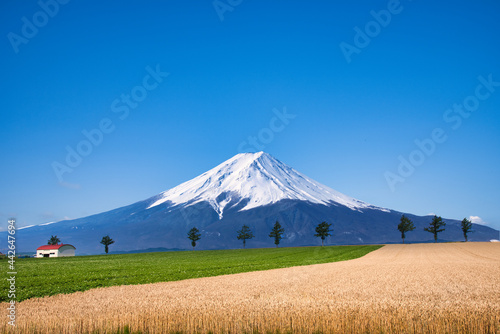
419 288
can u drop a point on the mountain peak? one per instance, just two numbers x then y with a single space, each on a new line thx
257 177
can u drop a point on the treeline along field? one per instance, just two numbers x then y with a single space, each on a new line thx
50 276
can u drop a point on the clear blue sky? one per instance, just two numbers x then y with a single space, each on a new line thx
72 70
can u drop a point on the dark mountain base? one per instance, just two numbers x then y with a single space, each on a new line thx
165 227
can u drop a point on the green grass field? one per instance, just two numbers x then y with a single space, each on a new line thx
50 276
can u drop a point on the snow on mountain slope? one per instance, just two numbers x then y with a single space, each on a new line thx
258 177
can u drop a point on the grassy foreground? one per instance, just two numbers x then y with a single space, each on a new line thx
50 276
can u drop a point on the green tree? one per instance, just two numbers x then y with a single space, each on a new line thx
466 227
406 225
435 226
54 240
277 233
194 235
244 234
323 231
106 241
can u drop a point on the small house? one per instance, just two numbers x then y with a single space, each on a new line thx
59 250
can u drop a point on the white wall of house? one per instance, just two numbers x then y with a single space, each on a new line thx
44 252
63 251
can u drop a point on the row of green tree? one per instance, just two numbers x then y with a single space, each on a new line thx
436 226
322 231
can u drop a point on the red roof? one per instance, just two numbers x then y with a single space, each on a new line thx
47 247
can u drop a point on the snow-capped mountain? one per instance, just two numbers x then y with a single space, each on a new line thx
258 178
254 189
